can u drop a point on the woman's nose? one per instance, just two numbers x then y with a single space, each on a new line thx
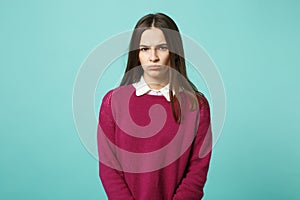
153 56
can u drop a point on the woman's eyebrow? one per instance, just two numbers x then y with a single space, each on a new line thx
162 44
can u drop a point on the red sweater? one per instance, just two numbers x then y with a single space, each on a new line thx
145 155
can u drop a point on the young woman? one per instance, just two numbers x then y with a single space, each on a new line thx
154 134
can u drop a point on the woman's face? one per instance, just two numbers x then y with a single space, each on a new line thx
154 55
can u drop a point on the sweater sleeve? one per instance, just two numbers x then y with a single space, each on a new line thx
110 172
192 184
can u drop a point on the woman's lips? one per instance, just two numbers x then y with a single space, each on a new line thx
154 67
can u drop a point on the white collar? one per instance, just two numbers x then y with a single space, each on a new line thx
142 88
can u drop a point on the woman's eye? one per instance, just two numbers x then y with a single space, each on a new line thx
144 49
163 48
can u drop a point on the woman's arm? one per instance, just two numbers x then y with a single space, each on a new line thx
192 184
110 172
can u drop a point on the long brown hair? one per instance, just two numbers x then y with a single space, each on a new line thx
178 81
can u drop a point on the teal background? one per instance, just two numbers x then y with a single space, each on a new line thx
255 45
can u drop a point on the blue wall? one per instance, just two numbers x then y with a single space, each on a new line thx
255 45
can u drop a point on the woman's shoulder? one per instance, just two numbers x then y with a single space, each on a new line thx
202 99
117 93
194 97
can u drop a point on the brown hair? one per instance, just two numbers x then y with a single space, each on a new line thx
134 72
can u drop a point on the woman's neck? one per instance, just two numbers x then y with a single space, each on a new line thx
156 84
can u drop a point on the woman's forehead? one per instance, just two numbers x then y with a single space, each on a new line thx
152 36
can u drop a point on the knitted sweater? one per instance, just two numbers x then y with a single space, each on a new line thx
145 155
